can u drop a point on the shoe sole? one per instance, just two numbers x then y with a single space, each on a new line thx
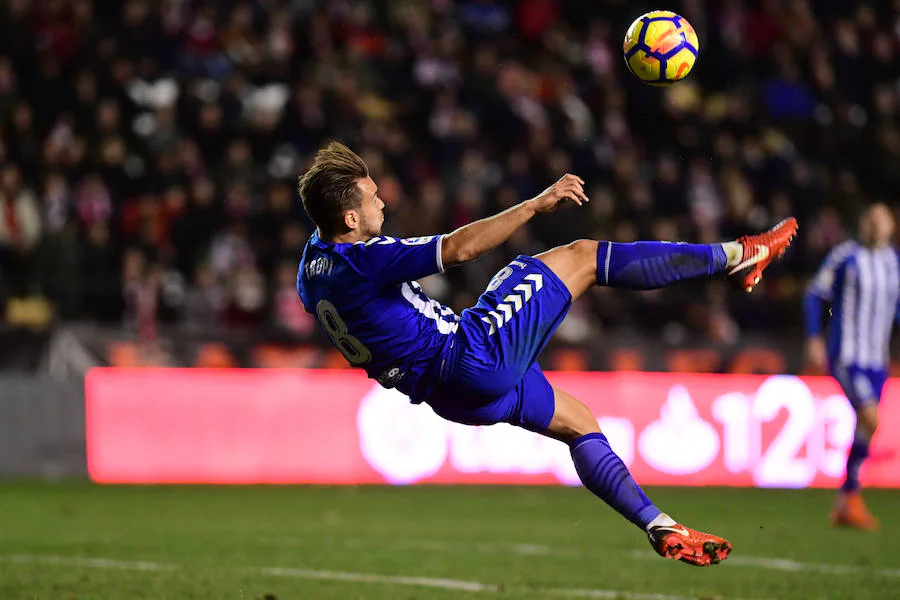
713 553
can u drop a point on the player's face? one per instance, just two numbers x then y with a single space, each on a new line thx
876 227
371 210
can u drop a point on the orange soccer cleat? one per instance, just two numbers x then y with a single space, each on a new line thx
693 547
850 511
760 250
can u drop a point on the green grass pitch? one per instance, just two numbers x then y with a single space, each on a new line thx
79 541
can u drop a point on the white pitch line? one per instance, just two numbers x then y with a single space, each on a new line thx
794 566
609 594
323 575
448 546
84 561
447 584
759 562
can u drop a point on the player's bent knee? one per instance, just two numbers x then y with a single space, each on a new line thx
575 264
584 249
588 247
571 418
572 254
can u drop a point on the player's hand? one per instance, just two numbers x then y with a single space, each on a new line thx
569 187
816 354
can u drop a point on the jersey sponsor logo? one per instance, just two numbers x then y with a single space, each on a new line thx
513 303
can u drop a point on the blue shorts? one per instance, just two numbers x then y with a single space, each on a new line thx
489 372
862 386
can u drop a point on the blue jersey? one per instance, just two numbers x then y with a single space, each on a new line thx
862 284
366 298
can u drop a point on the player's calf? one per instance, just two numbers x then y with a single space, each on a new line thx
867 419
607 477
849 510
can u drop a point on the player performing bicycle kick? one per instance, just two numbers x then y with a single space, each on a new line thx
480 367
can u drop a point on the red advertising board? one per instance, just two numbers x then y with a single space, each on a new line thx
246 426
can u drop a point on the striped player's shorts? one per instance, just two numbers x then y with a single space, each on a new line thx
490 372
861 385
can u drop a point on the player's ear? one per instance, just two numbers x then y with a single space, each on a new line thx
351 219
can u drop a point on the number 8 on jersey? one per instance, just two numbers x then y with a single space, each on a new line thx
352 349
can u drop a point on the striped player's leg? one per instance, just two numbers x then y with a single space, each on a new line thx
863 388
607 477
650 265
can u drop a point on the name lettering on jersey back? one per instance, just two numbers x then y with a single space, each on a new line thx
322 265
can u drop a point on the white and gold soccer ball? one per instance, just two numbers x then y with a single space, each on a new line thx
661 48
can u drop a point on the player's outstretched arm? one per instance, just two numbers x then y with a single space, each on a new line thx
477 238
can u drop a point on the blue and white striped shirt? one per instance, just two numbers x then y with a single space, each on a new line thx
863 285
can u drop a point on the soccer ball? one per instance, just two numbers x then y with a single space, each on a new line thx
661 48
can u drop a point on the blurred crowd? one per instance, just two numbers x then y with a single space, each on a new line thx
149 149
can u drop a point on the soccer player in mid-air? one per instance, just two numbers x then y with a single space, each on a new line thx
480 367
861 281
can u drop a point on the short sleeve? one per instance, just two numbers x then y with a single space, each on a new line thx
387 260
822 285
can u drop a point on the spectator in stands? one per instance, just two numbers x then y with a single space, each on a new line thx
150 143
20 228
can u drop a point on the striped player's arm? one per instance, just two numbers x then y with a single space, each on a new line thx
897 309
821 289
820 292
813 313
822 285
815 350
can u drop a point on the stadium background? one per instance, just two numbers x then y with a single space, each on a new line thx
148 158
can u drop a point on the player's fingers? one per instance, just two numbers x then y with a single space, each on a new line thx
571 189
579 192
567 193
573 195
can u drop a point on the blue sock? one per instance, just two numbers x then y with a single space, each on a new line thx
859 452
651 265
604 474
